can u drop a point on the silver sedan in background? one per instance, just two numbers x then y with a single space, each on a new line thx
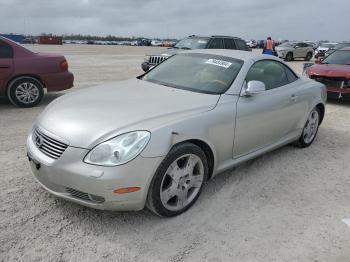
154 140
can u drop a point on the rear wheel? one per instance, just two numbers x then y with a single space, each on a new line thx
25 91
289 56
310 129
308 56
178 181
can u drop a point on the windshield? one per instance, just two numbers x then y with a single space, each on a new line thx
339 46
202 73
192 43
328 45
287 44
339 57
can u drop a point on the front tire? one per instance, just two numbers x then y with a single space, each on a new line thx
178 181
25 92
310 129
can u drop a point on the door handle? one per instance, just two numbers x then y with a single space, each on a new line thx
4 66
294 97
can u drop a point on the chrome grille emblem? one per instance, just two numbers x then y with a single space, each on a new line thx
39 141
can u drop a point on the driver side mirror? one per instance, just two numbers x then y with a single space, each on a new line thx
253 88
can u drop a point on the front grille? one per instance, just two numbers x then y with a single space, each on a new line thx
48 145
335 82
155 60
78 194
84 196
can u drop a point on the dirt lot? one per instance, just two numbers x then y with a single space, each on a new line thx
287 205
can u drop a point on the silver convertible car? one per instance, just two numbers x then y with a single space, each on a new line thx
154 140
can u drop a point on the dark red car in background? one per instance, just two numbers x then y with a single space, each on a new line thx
334 73
24 74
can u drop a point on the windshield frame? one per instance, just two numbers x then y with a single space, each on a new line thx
328 45
212 56
325 62
288 44
207 39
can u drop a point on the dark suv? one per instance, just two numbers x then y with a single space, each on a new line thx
196 42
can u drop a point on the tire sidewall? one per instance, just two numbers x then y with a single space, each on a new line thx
11 93
154 201
301 141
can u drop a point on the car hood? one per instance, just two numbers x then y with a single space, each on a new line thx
170 52
330 70
92 115
281 48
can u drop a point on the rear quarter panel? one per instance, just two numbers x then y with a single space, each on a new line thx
313 93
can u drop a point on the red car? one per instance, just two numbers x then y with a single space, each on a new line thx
334 72
24 74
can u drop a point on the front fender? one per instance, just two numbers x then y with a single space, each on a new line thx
215 128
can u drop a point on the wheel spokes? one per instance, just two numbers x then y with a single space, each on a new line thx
311 126
182 182
27 93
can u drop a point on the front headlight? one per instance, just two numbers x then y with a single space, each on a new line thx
147 57
118 150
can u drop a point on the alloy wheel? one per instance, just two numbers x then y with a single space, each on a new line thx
182 182
27 93
311 126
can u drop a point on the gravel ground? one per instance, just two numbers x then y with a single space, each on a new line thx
287 205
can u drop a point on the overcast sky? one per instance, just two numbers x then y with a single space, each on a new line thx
249 19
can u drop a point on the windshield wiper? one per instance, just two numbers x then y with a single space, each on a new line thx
185 48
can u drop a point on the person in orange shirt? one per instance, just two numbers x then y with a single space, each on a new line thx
269 47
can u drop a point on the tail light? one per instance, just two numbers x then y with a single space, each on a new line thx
64 65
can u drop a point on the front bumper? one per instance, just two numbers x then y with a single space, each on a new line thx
70 178
337 92
320 54
281 55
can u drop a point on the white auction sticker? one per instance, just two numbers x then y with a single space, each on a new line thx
218 62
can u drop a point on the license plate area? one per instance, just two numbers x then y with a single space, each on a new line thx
34 161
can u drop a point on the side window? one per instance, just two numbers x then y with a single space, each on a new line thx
216 43
290 75
271 73
6 50
241 45
229 43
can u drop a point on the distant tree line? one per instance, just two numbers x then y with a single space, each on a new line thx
104 38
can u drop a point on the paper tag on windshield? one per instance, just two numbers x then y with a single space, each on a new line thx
218 63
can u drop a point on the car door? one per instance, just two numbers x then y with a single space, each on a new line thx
6 64
270 116
304 49
299 50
